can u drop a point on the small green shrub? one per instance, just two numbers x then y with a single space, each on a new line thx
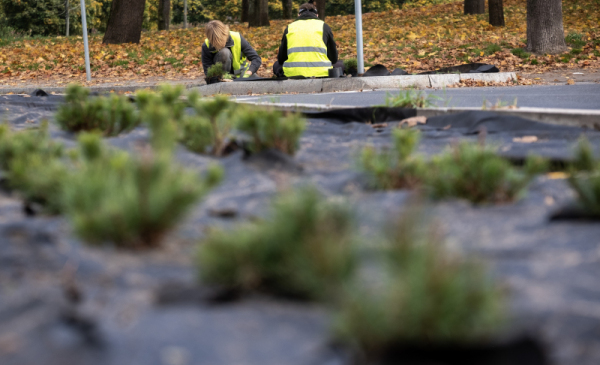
410 99
109 115
422 295
270 129
215 70
302 251
131 202
350 65
395 168
476 173
584 178
33 166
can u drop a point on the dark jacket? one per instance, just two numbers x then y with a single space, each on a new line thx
247 50
332 53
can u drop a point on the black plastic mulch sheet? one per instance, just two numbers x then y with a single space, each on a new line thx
364 115
381 70
546 266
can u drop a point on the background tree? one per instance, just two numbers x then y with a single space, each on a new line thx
545 31
474 6
258 13
496 13
125 22
245 5
321 8
287 9
164 14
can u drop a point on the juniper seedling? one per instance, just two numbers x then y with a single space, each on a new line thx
350 65
269 129
131 202
109 115
423 295
215 70
33 166
208 131
303 250
477 173
396 167
584 178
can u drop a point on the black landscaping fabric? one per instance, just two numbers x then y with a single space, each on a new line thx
363 115
381 70
146 308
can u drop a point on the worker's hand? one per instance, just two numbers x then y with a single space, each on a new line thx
248 73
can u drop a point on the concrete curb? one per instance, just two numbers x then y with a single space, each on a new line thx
99 89
347 84
293 86
568 117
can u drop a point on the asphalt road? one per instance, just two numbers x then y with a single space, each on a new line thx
580 96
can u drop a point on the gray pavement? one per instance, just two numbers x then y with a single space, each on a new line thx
580 96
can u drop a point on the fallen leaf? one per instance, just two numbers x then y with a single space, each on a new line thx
557 175
413 121
525 139
571 82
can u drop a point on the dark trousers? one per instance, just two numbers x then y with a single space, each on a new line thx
225 57
278 69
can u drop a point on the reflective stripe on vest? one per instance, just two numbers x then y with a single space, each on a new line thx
307 53
239 63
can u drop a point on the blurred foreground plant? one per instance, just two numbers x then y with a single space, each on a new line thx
129 201
33 166
108 115
270 129
422 295
584 178
303 250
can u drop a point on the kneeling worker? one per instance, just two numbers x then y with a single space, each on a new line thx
307 47
229 48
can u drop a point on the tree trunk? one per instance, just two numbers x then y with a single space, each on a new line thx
260 14
545 32
321 9
474 6
125 22
164 14
245 8
496 13
287 9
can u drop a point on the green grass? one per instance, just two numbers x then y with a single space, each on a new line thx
575 40
410 99
584 178
520 52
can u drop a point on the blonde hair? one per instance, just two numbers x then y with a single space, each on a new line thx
217 34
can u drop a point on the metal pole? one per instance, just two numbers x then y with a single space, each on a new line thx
85 42
67 16
185 14
359 37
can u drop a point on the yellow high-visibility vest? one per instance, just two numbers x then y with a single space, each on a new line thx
307 53
239 62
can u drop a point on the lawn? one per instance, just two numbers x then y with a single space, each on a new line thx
416 38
